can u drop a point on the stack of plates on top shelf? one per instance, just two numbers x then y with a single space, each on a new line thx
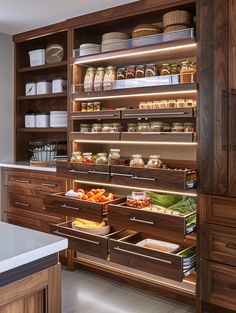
89 48
115 41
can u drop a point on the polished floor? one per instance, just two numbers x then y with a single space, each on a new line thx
83 292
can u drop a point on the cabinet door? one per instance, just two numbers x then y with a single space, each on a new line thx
213 86
232 98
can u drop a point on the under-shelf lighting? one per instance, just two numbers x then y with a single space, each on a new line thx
165 93
136 142
138 53
186 193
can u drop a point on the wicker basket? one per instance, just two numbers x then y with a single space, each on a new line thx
178 17
146 30
175 28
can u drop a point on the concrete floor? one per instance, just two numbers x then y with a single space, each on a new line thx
83 292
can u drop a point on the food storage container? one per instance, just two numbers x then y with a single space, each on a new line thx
109 77
158 245
30 120
187 72
98 80
90 107
163 104
97 106
137 160
167 127
30 89
96 128
174 69
171 104
43 87
76 157
85 128
140 71
114 157
42 120
154 162
58 118
151 70
180 103
189 103
106 128
121 72
89 79
165 69
101 158
189 127
143 127
138 200
131 127
156 126
59 85
88 157
115 127
37 57
83 107
177 127
130 72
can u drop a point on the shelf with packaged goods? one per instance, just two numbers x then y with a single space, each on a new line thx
175 49
44 67
43 129
44 96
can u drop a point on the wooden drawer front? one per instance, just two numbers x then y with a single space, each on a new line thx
159 263
158 113
218 243
95 136
41 182
26 202
84 172
155 136
156 224
218 210
94 245
152 178
218 284
101 115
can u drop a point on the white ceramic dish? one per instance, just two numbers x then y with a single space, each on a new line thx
171 246
89 48
102 231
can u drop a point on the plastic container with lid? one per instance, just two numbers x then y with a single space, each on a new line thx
187 72
30 120
85 128
136 161
30 88
58 118
156 126
98 79
154 162
138 200
96 128
114 157
43 87
42 120
89 79
101 158
59 85
88 158
76 157
37 57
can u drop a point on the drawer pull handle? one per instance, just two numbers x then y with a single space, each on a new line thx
96 172
231 245
78 172
78 238
22 181
64 206
117 174
145 256
143 178
48 185
134 219
94 115
22 204
153 114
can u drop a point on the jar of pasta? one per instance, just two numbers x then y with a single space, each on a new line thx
89 79
151 70
109 78
140 71
130 73
98 79
165 69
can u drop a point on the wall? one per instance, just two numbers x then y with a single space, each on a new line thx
6 94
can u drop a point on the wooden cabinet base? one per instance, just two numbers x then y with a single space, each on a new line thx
38 293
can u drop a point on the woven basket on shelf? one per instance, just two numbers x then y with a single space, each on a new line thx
146 30
175 28
178 17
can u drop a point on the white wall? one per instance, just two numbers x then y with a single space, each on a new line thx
6 98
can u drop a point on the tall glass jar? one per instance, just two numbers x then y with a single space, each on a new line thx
98 80
76 157
114 157
109 78
136 160
150 70
154 162
89 79
88 157
187 72
101 158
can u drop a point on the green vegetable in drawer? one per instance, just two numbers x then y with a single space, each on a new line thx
164 200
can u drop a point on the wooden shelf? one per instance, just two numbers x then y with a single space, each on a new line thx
183 90
42 67
176 49
44 96
43 130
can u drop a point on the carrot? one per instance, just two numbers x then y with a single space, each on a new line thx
97 196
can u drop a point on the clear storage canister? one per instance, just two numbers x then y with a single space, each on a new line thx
98 80
114 157
42 119
59 85
137 160
43 87
85 128
109 78
30 120
102 158
89 79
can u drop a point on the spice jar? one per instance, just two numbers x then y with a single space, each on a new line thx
150 70
157 126
130 73
76 157
187 72
88 157
136 161
140 71
177 127
121 72
97 106
171 104
90 107
180 103
85 128
163 104
189 103
115 127
101 158
96 128
143 127
189 127
167 127
98 79
83 107
156 104
131 127
89 79
109 77
154 162
174 69
138 200
114 157
106 128
165 69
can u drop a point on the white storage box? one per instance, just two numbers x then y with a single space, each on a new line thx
42 120
58 118
30 120
59 85
37 57
30 89
43 87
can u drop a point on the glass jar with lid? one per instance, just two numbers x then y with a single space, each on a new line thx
98 79
140 71
101 158
90 107
136 161
114 157
143 127
88 158
156 126
151 70
174 68
189 127
167 127
97 106
76 157
115 127
187 72
85 128
138 200
177 127
154 162
89 79
131 127
130 72
171 104
180 103
163 104
165 69
189 103
96 128
83 107
106 128
109 78
121 72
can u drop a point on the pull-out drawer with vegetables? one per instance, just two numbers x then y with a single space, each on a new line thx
153 221
146 253
166 179
59 203
84 172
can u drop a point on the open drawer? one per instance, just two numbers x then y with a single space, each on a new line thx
84 172
91 244
70 206
166 179
153 223
175 265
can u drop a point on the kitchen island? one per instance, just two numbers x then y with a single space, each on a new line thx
30 275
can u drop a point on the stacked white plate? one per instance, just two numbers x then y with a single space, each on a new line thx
115 41
89 48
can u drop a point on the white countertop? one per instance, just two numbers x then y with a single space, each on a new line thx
19 246
27 166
